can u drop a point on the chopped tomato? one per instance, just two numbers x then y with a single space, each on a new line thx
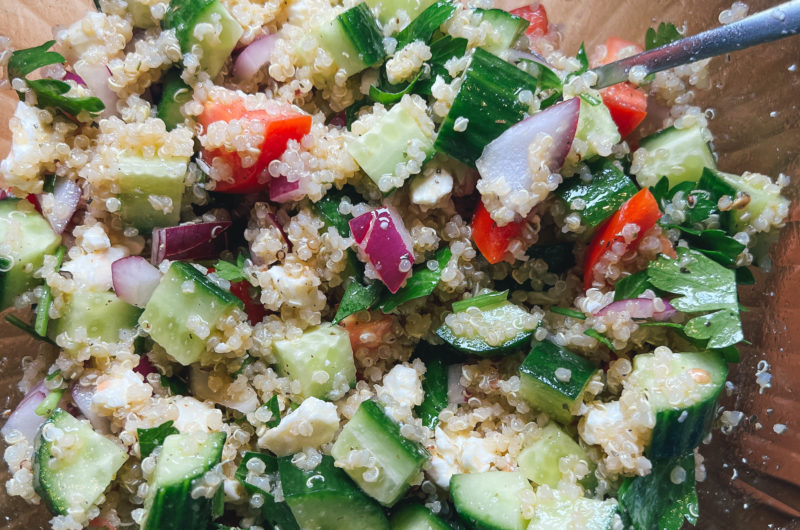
614 45
99 522
641 210
280 128
493 240
536 15
249 296
627 104
367 334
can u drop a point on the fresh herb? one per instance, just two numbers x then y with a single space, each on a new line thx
583 59
704 286
277 514
744 276
149 439
175 385
23 62
665 33
590 99
434 385
55 373
43 307
233 272
731 354
425 24
218 503
27 328
247 361
559 257
481 301
547 79
631 286
351 112
49 403
656 501
328 209
609 188
442 50
388 93
567 312
49 183
600 338
272 406
420 284
358 297
50 93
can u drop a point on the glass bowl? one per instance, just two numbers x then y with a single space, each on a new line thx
754 473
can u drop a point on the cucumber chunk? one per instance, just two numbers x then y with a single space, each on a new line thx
183 297
325 498
388 8
72 479
25 239
185 15
490 500
544 390
183 461
101 315
763 195
595 126
142 180
507 28
397 459
678 154
539 461
387 144
684 397
602 196
587 514
275 513
174 93
415 516
435 387
323 348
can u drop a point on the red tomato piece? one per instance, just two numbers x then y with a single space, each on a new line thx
368 335
627 105
641 210
249 296
280 128
536 15
614 45
493 240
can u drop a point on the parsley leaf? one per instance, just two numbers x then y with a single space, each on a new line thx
23 62
665 33
425 24
583 59
567 312
149 439
631 286
716 244
273 407
420 284
389 94
50 93
600 338
175 385
721 329
357 298
233 272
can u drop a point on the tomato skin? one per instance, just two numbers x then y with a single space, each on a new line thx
614 45
641 209
536 15
279 129
492 240
627 103
252 305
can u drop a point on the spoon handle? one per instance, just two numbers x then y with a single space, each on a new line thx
766 26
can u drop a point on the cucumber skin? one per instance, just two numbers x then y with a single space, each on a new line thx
275 513
416 517
475 346
672 438
435 388
468 513
172 98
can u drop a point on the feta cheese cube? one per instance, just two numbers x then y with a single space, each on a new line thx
312 424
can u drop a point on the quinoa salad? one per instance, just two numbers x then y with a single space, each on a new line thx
385 264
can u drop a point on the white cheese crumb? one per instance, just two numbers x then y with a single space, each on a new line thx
312 424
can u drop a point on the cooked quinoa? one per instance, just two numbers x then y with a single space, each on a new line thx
323 174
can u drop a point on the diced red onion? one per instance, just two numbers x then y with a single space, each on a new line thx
24 418
4 194
190 241
134 280
198 380
638 308
506 157
281 190
145 367
67 196
82 397
96 77
72 76
383 237
455 390
254 57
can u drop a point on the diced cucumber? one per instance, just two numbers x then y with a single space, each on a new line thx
323 348
502 314
386 144
602 196
763 195
415 516
185 15
595 124
507 28
388 8
678 154
434 385
73 470
25 239
686 407
587 514
559 394
397 459
174 93
490 500
183 301
491 99
275 513
143 182
101 315
325 498
184 459
539 461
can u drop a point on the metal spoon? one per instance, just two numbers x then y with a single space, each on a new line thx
768 25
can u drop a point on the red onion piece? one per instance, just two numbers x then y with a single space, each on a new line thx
254 57
638 308
281 190
24 418
189 241
67 196
72 76
506 157
82 397
383 237
134 280
455 390
198 380
96 77
145 367
4 194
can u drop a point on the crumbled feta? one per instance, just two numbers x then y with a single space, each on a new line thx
431 187
92 271
115 391
33 144
294 286
401 391
312 424
196 416
95 238
458 454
